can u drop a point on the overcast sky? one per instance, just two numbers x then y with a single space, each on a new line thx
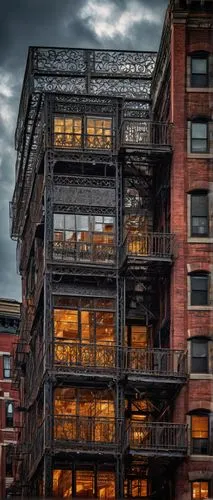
117 24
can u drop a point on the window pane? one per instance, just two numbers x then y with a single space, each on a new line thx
199 348
199 365
82 222
199 130
69 222
200 427
199 80
199 146
62 483
200 226
199 283
199 65
6 369
199 204
58 221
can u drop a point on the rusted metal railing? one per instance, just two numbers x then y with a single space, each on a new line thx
83 252
156 362
157 437
77 356
149 245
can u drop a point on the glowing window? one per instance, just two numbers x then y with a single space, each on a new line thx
62 483
99 133
139 488
200 434
67 132
85 484
200 490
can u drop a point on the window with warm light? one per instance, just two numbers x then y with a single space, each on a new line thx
136 229
139 488
62 483
200 434
99 133
200 490
67 132
85 327
85 484
84 415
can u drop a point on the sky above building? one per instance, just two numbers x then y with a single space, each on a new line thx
113 24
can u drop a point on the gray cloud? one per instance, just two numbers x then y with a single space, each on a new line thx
56 23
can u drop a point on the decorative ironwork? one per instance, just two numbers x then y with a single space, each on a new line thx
145 133
158 362
149 438
79 290
149 246
80 357
82 252
98 182
85 432
83 209
84 196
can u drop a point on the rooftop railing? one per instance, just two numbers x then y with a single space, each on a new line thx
157 437
156 246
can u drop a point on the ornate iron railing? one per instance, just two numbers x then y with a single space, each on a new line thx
81 251
157 362
82 141
145 133
157 437
149 245
85 430
76 356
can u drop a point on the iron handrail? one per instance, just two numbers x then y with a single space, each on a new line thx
157 436
149 244
155 361
81 251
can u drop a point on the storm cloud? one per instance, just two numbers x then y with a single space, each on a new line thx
117 24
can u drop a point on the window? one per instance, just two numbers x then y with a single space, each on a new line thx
200 289
199 355
8 462
99 133
68 132
199 214
9 413
6 367
200 490
200 434
199 70
199 137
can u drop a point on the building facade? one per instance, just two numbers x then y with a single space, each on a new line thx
9 396
112 216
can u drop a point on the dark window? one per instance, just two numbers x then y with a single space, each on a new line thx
199 137
8 462
200 434
199 359
199 214
199 71
200 490
9 413
199 290
6 367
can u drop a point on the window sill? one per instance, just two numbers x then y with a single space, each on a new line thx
201 458
199 308
201 376
203 156
207 90
197 239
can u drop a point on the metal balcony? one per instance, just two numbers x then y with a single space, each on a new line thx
83 252
146 135
157 438
159 365
148 247
86 433
85 359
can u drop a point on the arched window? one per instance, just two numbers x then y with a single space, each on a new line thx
199 288
200 69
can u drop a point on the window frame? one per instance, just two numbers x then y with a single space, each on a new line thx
205 440
193 302
201 122
202 56
194 234
8 461
199 340
200 481
9 420
6 357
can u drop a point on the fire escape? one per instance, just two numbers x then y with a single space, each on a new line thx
87 146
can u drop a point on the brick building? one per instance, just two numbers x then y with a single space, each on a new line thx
9 321
111 212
